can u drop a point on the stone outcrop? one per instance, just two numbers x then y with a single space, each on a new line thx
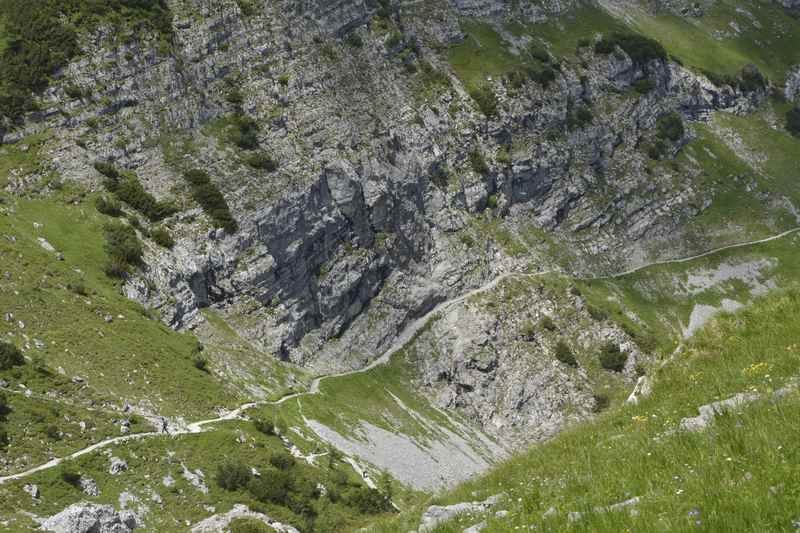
90 518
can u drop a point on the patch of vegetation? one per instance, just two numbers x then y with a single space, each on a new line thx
10 356
261 161
579 116
478 162
547 323
644 86
123 248
485 98
162 237
641 49
564 354
42 37
793 121
612 357
245 132
670 127
206 193
125 186
108 206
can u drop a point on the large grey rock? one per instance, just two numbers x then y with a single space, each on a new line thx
436 515
90 518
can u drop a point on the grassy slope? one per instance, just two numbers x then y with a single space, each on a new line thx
133 358
740 475
151 460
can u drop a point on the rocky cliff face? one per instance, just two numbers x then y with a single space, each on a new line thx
374 213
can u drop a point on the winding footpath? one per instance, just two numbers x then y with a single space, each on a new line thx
402 339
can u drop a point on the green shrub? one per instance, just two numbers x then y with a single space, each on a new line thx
537 51
366 500
108 206
596 313
232 475
249 525
439 174
543 75
641 49
235 96
644 86
601 402
261 161
123 248
273 486
281 460
547 323
52 432
478 162
354 39
793 121
244 133
267 427
750 79
5 408
578 117
565 355
10 356
492 201
211 199
584 42
612 358
485 98
200 364
162 237
71 478
670 127
126 188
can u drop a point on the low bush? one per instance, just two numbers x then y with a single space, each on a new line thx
10 356
354 39
200 364
245 132
612 358
261 161
123 248
596 313
547 323
478 162
281 461
750 79
211 200
579 116
233 475
366 500
543 75
126 188
670 127
564 354
162 237
267 427
793 121
249 525
641 49
644 86
108 206
273 486
485 98
491 201
71 478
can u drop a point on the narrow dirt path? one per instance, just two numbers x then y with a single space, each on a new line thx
402 339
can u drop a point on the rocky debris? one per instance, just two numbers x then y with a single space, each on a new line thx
168 481
196 478
480 526
576 516
89 487
220 522
711 410
91 518
792 89
117 466
437 514
46 245
642 389
32 489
